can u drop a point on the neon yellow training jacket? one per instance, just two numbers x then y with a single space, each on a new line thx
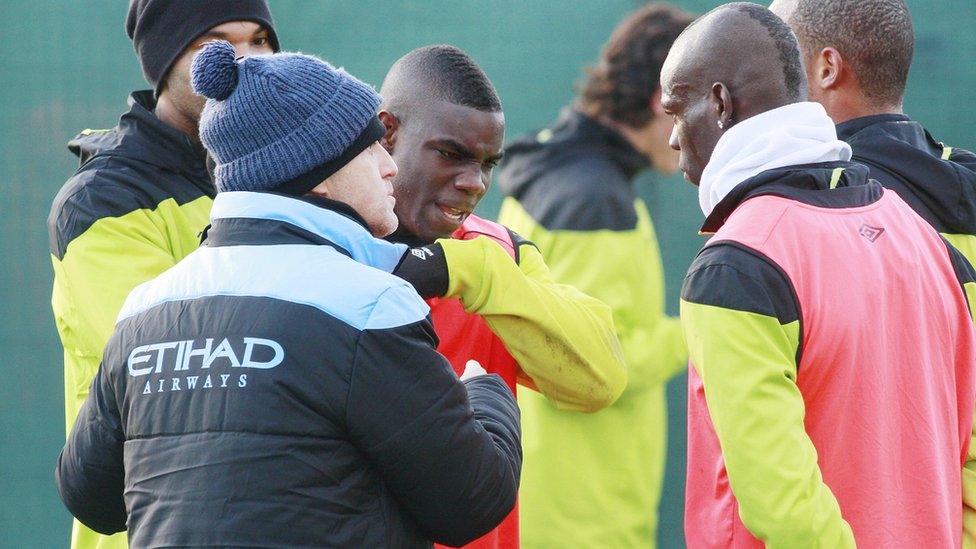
135 207
594 480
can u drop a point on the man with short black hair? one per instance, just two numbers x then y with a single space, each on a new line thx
872 41
142 195
858 56
571 191
833 352
500 310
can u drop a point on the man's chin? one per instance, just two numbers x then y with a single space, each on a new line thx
433 235
419 237
440 226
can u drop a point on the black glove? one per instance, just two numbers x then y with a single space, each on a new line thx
426 269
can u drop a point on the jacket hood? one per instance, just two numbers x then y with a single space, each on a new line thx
939 182
798 133
574 134
143 137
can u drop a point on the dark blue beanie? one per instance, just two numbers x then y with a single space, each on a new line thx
280 122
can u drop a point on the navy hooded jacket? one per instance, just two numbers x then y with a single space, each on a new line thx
278 387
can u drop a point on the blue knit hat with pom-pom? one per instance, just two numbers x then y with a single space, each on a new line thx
282 122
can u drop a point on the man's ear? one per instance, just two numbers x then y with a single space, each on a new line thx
722 101
828 69
392 124
322 190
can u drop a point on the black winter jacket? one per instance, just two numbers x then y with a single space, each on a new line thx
278 387
937 181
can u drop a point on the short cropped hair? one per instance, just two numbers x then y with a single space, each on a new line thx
450 75
621 84
786 43
876 37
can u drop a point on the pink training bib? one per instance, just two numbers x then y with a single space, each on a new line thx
886 372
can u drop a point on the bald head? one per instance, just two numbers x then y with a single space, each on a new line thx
440 72
735 62
746 47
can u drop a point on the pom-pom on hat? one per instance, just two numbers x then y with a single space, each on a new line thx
218 74
282 122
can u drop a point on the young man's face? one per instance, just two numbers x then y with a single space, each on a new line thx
248 39
445 153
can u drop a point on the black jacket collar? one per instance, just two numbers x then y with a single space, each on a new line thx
589 133
904 157
808 183
261 218
573 136
141 136
846 130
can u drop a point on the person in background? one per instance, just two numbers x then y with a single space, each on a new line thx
501 309
833 352
595 480
278 386
857 57
142 195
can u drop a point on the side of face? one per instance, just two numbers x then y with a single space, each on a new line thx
696 117
445 154
248 38
663 158
365 185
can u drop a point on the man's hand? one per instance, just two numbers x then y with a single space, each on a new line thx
472 369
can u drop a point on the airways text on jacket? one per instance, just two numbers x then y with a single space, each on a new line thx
192 355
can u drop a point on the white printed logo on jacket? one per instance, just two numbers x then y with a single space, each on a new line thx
203 363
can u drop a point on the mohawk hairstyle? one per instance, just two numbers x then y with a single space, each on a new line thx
875 36
628 73
786 42
449 74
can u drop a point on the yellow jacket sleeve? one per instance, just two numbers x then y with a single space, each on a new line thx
969 496
963 257
622 269
98 270
745 355
969 467
563 339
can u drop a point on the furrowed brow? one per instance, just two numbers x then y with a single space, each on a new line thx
457 147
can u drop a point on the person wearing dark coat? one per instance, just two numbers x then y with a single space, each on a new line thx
279 386
142 192
857 57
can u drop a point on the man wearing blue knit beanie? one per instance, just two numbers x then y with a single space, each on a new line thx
279 387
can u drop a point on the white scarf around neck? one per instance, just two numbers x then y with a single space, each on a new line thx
800 133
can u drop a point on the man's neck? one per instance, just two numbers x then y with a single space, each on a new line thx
634 136
842 110
167 112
